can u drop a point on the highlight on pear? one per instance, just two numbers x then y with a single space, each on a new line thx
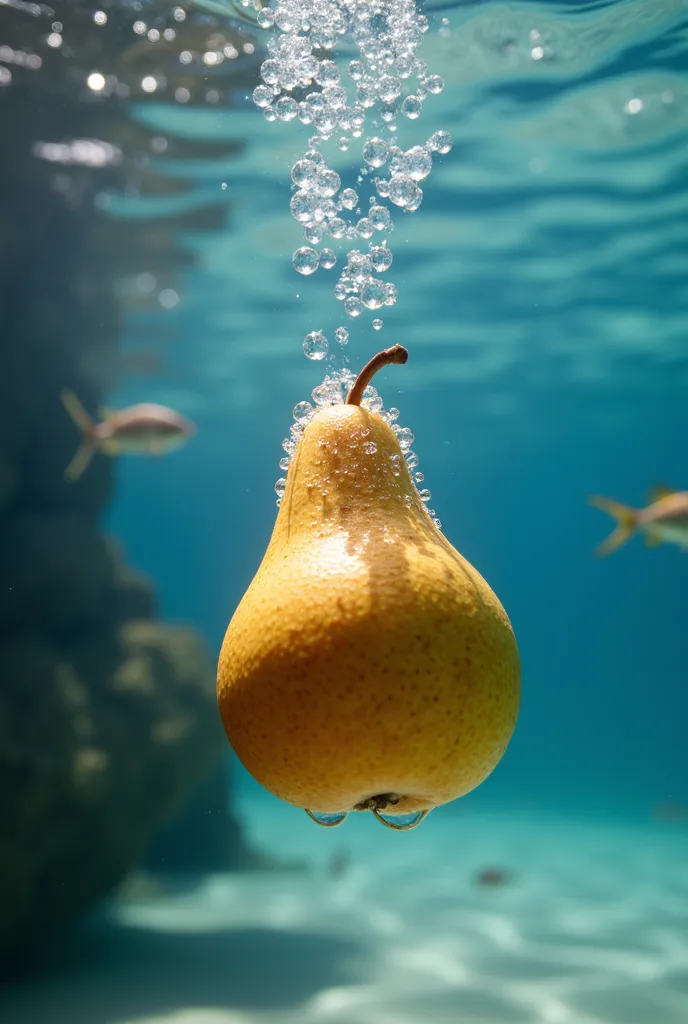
368 666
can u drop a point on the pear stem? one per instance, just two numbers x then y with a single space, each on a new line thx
395 354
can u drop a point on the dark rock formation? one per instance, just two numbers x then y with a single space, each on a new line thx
108 718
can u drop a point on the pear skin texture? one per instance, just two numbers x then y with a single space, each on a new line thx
367 656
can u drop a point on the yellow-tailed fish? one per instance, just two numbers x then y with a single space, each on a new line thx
145 429
664 518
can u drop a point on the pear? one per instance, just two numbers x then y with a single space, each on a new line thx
368 666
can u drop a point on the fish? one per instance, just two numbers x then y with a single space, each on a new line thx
664 519
144 429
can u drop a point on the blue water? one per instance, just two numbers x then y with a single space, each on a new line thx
542 297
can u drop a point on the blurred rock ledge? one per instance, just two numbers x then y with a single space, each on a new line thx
108 718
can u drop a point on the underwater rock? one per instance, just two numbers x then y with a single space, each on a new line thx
86 773
108 718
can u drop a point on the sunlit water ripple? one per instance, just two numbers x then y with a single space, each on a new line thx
552 237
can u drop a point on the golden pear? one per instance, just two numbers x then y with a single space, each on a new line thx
368 665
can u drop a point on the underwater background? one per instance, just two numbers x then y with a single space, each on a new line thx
543 297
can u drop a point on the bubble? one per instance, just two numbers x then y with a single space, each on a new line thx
379 217
389 88
440 142
302 412
327 183
359 265
266 17
377 325
353 306
262 96
327 73
306 260
411 459
365 227
342 335
404 65
381 258
412 107
425 494
393 414
395 460
336 98
343 143
369 447
340 292
382 186
434 84
404 437
415 202
391 295
327 259
314 233
366 95
355 70
402 189
337 227
349 198
417 162
375 152
419 477
270 72
371 400
315 345
269 114
280 486
302 206
284 462
373 293
286 108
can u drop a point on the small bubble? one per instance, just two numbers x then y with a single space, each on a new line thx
440 142
412 107
284 463
266 17
393 414
365 227
280 486
355 70
327 183
391 294
381 258
349 198
371 400
337 227
342 335
417 163
379 217
402 189
434 84
302 412
302 206
369 447
306 260
411 459
315 345
378 325
353 306
327 259
404 437
262 96
425 494
419 477
389 88
314 233
304 173
375 152
374 293
286 108
396 462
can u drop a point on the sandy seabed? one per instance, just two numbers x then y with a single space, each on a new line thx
592 929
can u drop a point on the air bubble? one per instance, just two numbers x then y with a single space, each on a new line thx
434 84
342 335
373 293
389 88
417 163
419 477
328 183
315 345
262 96
349 198
369 447
327 259
355 70
365 227
377 325
337 227
375 152
280 486
440 142
402 189
353 305
314 233
411 459
381 258
404 437
302 412
425 495
412 107
379 217
306 260
302 206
